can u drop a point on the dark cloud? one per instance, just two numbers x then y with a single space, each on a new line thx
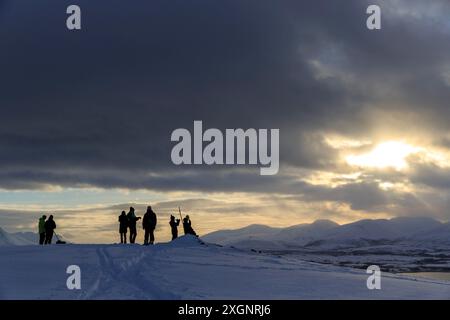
97 107
432 176
109 96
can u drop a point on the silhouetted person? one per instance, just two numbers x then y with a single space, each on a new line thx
174 226
49 226
132 219
187 226
123 226
149 225
41 228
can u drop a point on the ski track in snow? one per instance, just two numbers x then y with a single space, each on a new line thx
189 269
127 276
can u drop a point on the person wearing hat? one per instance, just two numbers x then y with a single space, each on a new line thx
187 226
149 225
41 228
174 226
123 227
50 227
132 219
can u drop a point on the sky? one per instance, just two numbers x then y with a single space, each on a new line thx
86 116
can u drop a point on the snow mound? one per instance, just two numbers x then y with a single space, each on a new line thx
17 239
186 241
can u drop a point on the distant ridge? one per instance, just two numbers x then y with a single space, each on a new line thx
328 234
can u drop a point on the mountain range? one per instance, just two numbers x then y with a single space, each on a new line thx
326 234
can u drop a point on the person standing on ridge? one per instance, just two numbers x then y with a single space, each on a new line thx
49 226
174 226
123 226
149 225
187 226
132 219
41 228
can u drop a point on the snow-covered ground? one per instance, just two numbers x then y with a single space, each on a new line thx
189 269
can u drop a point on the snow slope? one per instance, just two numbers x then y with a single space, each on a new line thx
327 234
274 237
17 239
436 235
188 269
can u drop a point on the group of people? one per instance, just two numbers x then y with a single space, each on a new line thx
46 229
128 221
187 226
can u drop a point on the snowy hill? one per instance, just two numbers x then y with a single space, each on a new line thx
247 233
189 269
261 234
377 232
437 235
304 233
17 239
327 234
254 235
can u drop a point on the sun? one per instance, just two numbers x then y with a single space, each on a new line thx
389 154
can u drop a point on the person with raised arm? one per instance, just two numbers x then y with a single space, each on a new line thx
132 219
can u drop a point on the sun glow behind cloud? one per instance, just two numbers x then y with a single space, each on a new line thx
390 154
